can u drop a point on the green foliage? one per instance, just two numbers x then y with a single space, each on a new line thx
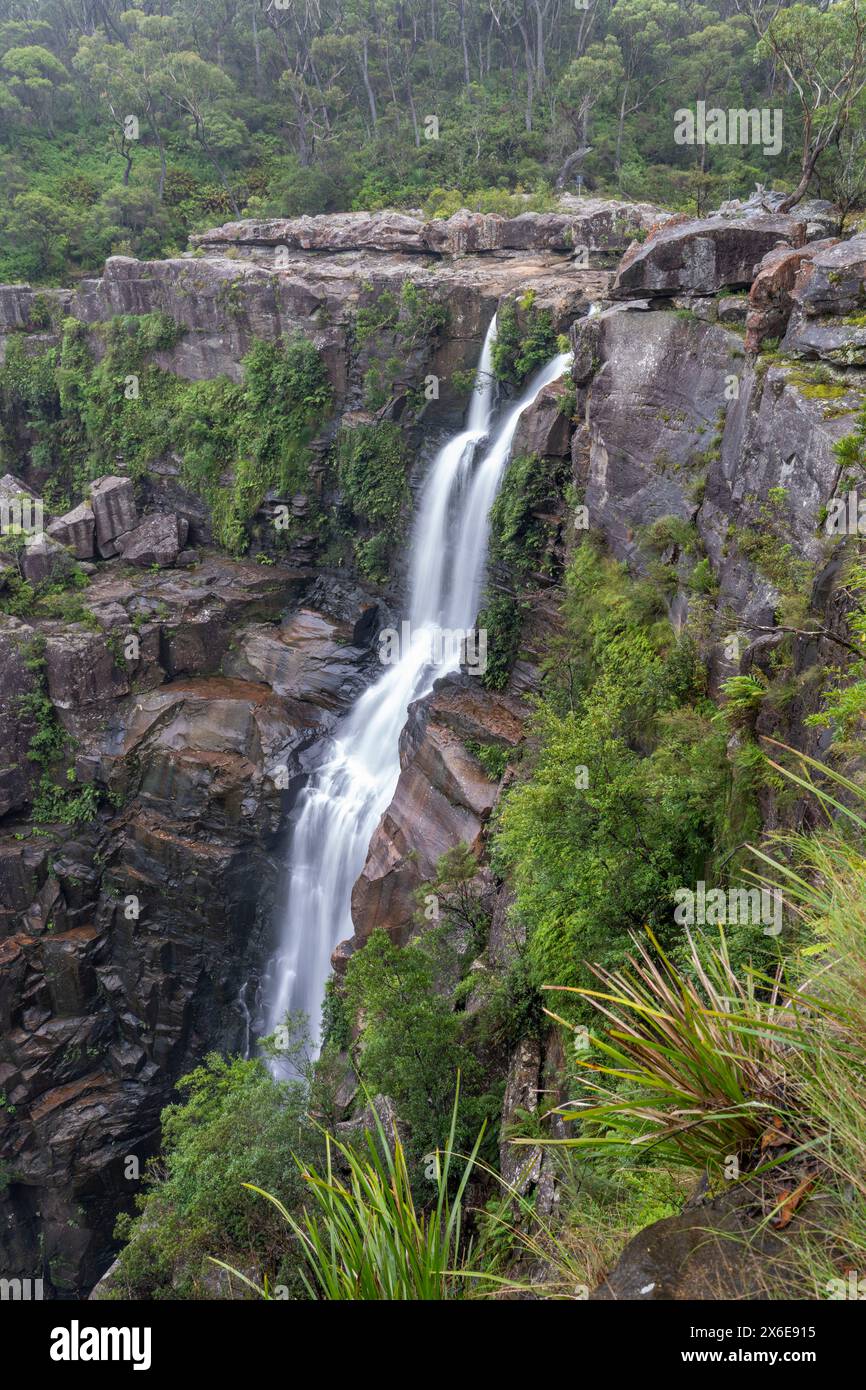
705 1058
391 327
517 533
366 1239
372 462
744 696
493 757
412 1046
215 141
88 411
844 704
235 1124
624 714
55 802
525 340
500 618
774 556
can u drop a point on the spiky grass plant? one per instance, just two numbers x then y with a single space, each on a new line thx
696 1066
365 1238
824 877
703 1064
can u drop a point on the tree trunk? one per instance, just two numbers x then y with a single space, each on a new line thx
257 50
413 113
466 73
805 179
527 51
574 161
365 73
202 139
617 159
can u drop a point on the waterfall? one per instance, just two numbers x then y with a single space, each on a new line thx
343 801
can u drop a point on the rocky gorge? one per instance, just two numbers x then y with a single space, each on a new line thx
716 365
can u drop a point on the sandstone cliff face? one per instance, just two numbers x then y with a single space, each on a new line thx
131 945
195 696
675 418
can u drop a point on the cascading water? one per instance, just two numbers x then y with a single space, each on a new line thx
344 800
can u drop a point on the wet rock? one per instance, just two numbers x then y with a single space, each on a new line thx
703 257
114 510
17 727
158 540
85 668
76 530
545 428
307 658
443 798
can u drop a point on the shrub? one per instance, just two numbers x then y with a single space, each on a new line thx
366 1239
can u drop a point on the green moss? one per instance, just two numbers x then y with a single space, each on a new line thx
517 529
371 463
501 619
493 757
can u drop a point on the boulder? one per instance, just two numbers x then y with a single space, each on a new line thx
76 530
717 1248
20 509
732 309
45 560
819 214
828 319
703 256
770 301
114 510
157 540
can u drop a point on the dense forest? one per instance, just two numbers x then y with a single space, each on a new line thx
603 1011
124 129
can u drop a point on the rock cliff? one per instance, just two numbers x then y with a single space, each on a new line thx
197 687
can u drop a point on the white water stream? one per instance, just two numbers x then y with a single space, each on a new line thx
345 798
